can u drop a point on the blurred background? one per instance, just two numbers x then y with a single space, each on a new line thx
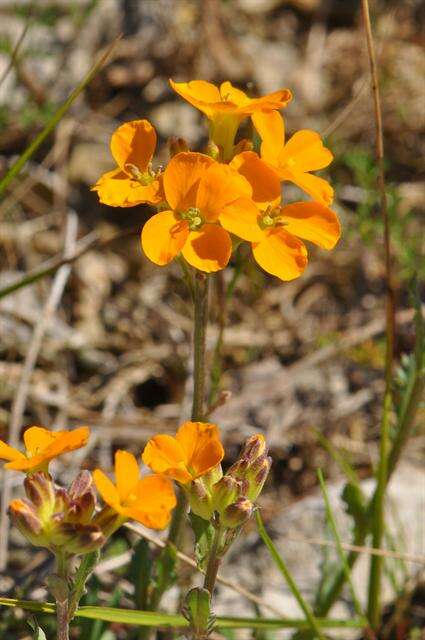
298 357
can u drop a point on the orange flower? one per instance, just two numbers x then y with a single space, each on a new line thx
133 182
274 230
148 500
194 451
293 161
197 190
41 446
226 107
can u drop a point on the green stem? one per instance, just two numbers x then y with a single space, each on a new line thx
61 597
378 522
214 561
200 303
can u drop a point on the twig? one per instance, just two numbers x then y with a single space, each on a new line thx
396 555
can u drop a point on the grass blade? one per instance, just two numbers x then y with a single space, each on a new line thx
342 556
148 618
17 167
281 565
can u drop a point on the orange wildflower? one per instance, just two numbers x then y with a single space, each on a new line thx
226 107
148 500
303 152
197 189
133 182
42 446
194 451
275 230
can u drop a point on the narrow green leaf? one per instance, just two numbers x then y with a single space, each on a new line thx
38 633
16 168
148 618
281 565
337 538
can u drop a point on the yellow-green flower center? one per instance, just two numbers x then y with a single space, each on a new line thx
270 218
145 178
193 217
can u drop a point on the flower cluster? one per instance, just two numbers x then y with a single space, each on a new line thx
66 521
209 202
193 458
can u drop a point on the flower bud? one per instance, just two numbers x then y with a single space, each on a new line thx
108 521
83 499
224 492
237 513
238 469
254 447
85 539
177 145
257 476
25 518
40 490
200 499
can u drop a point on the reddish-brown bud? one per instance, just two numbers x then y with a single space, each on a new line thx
177 145
237 513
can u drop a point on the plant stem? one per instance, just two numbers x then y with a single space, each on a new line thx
214 561
378 523
61 597
200 304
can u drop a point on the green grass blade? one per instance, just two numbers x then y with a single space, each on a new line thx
149 618
17 167
281 565
344 465
342 556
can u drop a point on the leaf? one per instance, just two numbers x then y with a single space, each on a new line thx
38 631
355 506
150 618
140 573
164 569
204 533
197 610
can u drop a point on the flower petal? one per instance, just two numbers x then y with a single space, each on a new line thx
66 441
134 143
306 151
107 489
263 179
127 473
229 93
10 453
312 221
37 439
208 249
281 254
201 444
271 129
276 100
163 237
220 185
116 189
198 93
318 188
156 493
241 218
163 454
182 177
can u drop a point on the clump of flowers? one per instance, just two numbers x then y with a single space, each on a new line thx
208 203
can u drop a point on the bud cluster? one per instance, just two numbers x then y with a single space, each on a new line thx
57 518
230 498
